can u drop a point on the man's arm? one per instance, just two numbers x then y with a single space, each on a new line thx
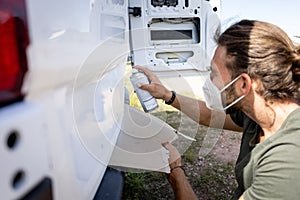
181 187
195 109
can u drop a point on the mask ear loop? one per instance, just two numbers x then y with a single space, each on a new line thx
228 85
234 102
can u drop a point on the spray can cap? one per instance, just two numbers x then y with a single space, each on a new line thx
134 70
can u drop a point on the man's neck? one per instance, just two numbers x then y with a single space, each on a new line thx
271 117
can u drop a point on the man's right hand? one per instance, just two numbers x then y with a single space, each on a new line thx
181 187
156 88
174 155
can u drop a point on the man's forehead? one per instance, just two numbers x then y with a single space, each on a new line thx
218 61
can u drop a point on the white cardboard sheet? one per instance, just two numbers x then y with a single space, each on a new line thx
139 145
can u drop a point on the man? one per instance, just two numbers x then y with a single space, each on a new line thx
260 68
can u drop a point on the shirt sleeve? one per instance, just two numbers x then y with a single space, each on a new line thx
276 174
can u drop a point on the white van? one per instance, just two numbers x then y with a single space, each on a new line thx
62 96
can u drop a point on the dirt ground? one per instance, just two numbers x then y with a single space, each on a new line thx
227 148
212 176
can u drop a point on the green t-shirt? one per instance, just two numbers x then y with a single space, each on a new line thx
273 171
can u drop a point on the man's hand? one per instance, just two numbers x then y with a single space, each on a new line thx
174 155
156 88
181 187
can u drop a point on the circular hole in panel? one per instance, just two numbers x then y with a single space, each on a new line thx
12 139
18 179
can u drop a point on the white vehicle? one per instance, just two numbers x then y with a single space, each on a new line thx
62 65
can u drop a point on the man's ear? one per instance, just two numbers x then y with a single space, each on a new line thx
244 84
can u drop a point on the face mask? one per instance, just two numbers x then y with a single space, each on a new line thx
213 96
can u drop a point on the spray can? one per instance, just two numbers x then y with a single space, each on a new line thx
147 101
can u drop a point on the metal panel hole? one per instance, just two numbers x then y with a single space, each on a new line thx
18 179
13 139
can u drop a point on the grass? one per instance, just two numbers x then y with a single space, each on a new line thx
134 185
